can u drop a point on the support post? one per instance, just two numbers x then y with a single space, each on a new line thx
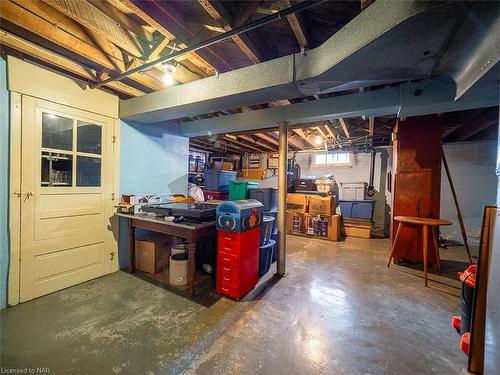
282 190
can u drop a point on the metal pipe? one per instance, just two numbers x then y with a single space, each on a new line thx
219 38
372 166
282 190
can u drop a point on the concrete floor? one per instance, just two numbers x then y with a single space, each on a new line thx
340 310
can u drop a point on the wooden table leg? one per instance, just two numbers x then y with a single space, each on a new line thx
400 226
191 267
436 247
425 233
131 247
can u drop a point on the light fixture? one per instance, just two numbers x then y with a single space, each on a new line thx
318 140
168 75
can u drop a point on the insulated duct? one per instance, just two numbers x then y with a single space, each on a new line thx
389 42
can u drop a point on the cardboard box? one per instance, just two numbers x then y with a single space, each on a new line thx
297 202
289 222
253 173
360 228
319 205
152 254
132 204
222 165
333 233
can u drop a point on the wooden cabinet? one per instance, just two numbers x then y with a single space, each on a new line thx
416 180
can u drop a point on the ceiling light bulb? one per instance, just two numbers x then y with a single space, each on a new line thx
318 141
168 79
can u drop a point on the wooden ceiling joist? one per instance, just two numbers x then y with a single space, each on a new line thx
223 19
345 127
58 61
264 146
94 19
38 18
296 24
193 56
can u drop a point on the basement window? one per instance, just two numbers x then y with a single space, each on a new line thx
338 159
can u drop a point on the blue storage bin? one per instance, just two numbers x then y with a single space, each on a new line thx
268 197
217 180
266 257
266 229
357 209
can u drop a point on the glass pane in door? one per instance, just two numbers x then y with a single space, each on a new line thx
57 132
88 138
57 169
88 171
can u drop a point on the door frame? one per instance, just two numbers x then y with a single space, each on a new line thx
15 160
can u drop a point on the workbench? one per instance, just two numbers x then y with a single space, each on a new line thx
191 232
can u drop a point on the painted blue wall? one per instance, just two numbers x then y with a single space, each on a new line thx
153 160
4 183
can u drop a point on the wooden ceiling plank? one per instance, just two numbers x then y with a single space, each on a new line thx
244 16
192 56
27 20
223 19
301 133
268 138
35 16
296 25
467 132
118 16
91 17
258 142
247 147
61 62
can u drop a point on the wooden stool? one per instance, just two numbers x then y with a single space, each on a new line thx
425 223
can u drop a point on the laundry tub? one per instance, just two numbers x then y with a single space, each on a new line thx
178 269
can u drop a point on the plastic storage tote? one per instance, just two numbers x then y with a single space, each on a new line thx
268 197
216 195
217 180
353 191
357 209
239 189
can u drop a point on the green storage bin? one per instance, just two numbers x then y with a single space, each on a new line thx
239 189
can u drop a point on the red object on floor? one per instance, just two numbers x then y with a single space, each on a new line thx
237 262
468 277
456 321
465 342
217 195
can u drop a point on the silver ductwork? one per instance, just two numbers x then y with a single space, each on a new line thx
391 41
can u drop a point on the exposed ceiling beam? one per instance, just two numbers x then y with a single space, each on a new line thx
259 142
302 134
244 16
38 18
365 4
470 130
296 24
193 56
345 127
243 145
223 19
91 17
267 138
58 61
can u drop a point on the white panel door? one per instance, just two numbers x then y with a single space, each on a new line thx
66 197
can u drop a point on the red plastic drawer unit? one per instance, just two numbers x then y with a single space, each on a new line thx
237 262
